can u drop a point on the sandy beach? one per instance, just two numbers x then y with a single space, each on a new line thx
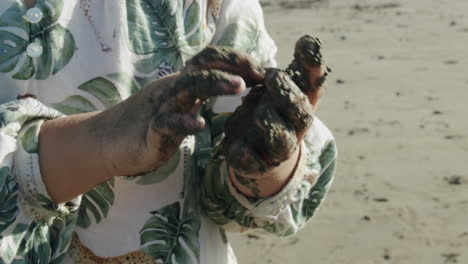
396 103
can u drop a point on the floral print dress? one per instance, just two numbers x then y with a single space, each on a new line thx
79 56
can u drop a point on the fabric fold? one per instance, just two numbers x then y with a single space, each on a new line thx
290 209
31 224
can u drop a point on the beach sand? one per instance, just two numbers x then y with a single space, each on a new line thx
396 103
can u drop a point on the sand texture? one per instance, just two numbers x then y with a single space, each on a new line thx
396 103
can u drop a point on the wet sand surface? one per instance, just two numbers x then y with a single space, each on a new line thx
396 103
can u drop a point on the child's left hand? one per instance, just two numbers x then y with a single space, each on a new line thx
274 117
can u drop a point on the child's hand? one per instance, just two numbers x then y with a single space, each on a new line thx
274 117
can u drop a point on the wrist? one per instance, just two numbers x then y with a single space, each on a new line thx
266 184
69 157
98 126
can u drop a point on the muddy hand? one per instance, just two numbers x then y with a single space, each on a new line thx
143 132
228 60
308 69
274 117
266 130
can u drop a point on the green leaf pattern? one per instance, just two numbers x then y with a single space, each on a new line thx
8 197
107 90
164 31
317 193
216 202
163 34
29 139
104 90
16 34
170 236
97 203
75 104
249 35
223 208
160 174
23 240
34 246
242 35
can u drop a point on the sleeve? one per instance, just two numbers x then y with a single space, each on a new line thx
32 228
286 212
240 25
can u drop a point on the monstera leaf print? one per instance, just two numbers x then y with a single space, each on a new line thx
170 236
75 104
8 195
242 35
167 31
97 202
160 174
16 34
34 247
29 139
103 89
43 244
61 233
317 193
247 34
303 209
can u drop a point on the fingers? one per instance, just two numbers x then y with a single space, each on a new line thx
192 88
228 60
317 77
166 132
291 103
308 67
177 124
308 51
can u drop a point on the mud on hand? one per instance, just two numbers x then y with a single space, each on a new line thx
274 117
143 132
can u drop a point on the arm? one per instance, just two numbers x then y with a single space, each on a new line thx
126 139
69 157
133 137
